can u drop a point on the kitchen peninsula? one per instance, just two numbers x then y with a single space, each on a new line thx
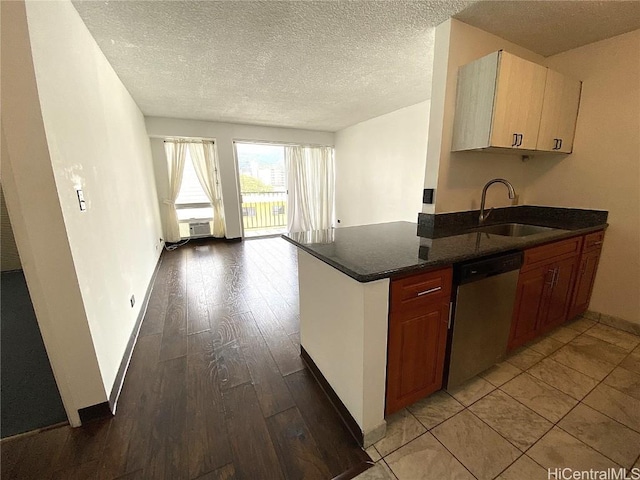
345 276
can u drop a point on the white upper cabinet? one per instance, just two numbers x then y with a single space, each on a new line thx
506 103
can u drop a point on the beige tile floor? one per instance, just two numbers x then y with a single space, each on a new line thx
568 400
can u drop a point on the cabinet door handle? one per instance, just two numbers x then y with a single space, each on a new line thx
517 139
599 242
559 143
553 276
556 277
555 144
431 290
450 315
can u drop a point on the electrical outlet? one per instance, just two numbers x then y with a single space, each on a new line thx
132 300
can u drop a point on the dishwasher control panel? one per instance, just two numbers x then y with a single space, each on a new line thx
487 267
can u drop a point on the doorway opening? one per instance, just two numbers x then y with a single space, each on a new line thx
263 189
29 397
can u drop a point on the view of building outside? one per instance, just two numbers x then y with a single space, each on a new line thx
262 162
263 188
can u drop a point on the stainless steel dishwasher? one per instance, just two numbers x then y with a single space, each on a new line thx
485 292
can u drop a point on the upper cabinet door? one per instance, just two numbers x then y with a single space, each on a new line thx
518 103
559 113
475 94
505 103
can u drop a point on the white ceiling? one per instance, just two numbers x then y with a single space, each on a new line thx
550 27
320 65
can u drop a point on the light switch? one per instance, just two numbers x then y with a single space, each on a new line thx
81 202
427 196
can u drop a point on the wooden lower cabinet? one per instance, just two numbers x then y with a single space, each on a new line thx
559 300
584 284
529 305
543 298
555 284
416 347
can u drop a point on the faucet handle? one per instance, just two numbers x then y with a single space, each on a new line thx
488 213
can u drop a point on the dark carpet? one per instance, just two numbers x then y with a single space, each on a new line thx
29 397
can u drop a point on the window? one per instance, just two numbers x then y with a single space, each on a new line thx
192 203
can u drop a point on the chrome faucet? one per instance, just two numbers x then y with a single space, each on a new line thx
512 195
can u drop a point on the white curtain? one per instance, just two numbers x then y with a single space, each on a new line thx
311 184
205 162
176 152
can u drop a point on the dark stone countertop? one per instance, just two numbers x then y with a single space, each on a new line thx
372 252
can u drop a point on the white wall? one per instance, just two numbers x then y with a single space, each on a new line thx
36 217
224 134
603 172
459 177
379 167
343 328
96 139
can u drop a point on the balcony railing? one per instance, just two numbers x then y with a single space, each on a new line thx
264 210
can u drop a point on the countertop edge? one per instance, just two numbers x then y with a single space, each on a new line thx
356 276
431 265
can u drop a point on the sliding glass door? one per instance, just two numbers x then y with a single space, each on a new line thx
285 187
263 188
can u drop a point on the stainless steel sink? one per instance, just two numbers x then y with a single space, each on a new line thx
513 229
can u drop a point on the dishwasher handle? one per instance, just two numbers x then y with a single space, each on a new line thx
487 267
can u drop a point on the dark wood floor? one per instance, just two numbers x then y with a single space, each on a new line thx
216 388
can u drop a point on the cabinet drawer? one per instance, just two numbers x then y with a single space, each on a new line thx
418 290
593 241
534 257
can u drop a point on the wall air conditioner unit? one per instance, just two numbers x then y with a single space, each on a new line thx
200 229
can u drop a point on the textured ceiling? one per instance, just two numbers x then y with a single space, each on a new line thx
550 27
320 65
316 65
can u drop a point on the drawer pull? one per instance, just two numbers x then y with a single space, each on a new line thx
431 290
599 242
